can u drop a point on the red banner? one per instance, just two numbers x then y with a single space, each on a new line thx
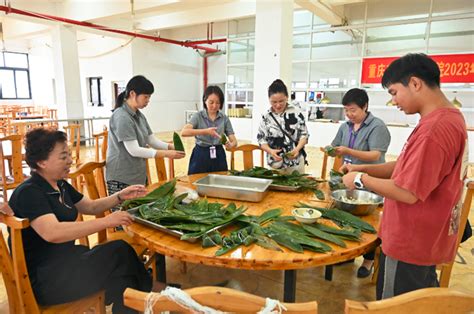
454 68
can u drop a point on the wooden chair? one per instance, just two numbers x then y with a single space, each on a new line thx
446 269
21 298
429 300
101 142
14 164
247 151
223 299
160 167
338 161
93 174
74 142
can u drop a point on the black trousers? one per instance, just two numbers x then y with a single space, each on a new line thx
113 267
201 161
397 277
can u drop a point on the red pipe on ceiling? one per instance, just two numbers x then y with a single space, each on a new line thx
189 44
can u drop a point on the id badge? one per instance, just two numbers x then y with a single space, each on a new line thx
212 152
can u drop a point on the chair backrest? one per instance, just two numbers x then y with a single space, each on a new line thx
14 162
223 299
93 174
247 152
15 273
446 269
160 167
100 141
338 161
428 300
74 141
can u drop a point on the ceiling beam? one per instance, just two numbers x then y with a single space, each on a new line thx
343 2
326 12
199 15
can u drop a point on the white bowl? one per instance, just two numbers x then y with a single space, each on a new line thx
306 215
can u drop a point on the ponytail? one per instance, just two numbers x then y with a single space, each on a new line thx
120 99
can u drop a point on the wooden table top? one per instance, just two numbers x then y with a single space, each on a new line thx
253 256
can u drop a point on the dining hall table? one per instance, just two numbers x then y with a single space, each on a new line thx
254 257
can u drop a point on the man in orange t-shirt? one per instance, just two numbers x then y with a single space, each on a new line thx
423 188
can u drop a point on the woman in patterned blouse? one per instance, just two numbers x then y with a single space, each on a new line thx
283 132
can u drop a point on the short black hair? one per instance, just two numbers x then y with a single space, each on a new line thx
413 64
356 96
216 90
277 87
139 84
40 142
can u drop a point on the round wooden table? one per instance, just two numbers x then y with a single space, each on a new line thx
253 256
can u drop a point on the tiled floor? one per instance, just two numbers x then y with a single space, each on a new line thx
310 282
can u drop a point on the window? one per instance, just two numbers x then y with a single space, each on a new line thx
14 76
95 96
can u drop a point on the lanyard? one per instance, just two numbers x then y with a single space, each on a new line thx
353 136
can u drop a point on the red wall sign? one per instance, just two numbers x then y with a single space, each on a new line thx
454 68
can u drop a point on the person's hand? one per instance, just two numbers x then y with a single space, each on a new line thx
133 191
346 168
118 218
212 132
170 146
175 154
293 154
274 154
229 145
4 208
341 150
348 180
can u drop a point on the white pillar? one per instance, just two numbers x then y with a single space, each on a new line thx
67 74
273 52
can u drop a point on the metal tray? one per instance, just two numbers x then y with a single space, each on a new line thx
233 187
277 187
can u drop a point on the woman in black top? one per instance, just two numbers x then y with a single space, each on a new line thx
59 270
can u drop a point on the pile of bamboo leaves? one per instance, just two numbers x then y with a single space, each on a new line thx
300 180
273 231
193 220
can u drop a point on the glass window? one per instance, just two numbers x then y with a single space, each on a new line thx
300 75
337 44
301 47
451 36
16 60
240 77
334 74
7 83
22 84
396 40
14 76
319 22
241 51
302 20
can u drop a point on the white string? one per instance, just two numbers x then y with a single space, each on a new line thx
181 298
272 307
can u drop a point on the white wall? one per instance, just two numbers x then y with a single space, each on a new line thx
103 57
175 74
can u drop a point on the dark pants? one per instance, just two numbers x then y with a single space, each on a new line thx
80 272
397 277
201 161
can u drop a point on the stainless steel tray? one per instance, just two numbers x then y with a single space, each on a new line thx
277 187
233 187
178 234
